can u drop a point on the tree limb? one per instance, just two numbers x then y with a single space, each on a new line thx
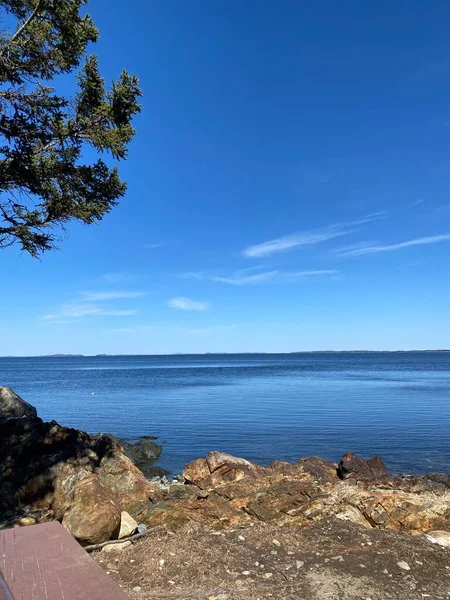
131 538
23 27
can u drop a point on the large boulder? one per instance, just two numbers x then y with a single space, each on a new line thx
93 515
13 406
45 467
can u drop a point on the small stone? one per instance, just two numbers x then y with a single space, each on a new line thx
385 571
132 561
339 558
24 521
222 597
245 572
267 575
276 543
137 588
241 538
256 564
403 565
141 528
171 582
299 563
127 525
117 547
161 562
273 552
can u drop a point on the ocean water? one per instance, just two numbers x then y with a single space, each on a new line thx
261 407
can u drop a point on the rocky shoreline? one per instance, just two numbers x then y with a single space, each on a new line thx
54 472
91 483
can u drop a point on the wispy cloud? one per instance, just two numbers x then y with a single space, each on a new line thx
306 238
110 295
153 246
372 249
77 311
194 275
182 303
273 277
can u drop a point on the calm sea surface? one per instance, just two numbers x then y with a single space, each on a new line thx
261 407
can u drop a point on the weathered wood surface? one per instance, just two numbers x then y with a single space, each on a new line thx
44 562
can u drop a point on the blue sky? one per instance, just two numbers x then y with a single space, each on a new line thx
288 187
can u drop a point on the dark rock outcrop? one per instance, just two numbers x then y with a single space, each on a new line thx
13 406
354 467
61 473
143 454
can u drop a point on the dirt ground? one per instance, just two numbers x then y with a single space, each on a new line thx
333 559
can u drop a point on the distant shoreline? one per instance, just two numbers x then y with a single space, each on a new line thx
235 353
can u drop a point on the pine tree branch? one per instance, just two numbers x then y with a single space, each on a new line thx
22 27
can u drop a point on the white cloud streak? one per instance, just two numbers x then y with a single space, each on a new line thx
77 311
306 238
273 277
182 303
361 250
110 295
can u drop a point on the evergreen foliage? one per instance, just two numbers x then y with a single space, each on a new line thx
45 177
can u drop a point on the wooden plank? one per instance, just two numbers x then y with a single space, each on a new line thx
44 562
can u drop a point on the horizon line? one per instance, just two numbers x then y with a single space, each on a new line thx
106 355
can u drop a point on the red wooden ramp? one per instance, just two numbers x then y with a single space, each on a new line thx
44 562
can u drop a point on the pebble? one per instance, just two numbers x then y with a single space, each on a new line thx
276 543
245 572
273 552
24 521
171 582
256 564
299 563
241 538
116 547
403 565
137 588
161 562
339 558
132 561
267 575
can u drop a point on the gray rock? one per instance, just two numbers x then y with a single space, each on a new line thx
12 406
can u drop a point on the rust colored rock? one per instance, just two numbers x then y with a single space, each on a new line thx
230 491
93 515
217 469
